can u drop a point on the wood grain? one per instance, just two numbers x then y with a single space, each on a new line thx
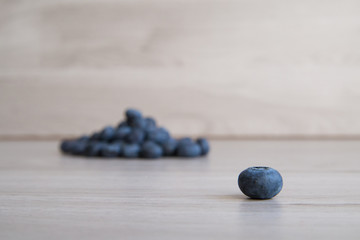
44 194
218 67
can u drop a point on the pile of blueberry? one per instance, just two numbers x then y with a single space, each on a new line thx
135 137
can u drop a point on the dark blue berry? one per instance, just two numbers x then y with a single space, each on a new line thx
123 124
204 145
130 150
122 132
94 148
169 146
107 133
78 147
95 136
150 123
132 114
111 150
151 150
158 135
135 136
66 146
260 182
188 150
137 123
184 141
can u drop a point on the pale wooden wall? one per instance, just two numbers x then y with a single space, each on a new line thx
220 68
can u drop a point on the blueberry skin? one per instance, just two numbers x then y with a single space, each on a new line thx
158 135
95 136
122 132
135 136
132 114
94 148
151 150
188 150
260 182
78 147
66 146
123 124
169 146
111 150
137 123
204 145
130 150
150 123
107 133
185 141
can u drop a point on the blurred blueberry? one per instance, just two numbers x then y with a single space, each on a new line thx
95 136
78 147
185 141
123 124
135 136
107 133
188 150
111 150
83 138
66 146
122 132
150 123
94 148
158 135
132 114
204 145
151 150
137 123
169 146
260 182
130 150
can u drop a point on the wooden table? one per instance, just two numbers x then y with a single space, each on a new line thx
46 195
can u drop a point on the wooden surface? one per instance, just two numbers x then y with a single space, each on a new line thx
45 195
215 67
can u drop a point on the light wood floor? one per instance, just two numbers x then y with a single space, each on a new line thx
46 195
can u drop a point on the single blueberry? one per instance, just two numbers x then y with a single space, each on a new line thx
151 150
158 135
150 123
78 147
204 145
135 136
260 182
95 136
188 150
169 146
122 132
137 123
111 150
132 114
94 148
130 150
66 146
107 133
185 141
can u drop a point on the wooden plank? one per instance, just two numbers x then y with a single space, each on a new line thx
44 194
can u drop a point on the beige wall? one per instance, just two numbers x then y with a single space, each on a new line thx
220 68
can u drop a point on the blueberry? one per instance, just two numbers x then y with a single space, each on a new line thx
107 133
95 136
94 148
135 136
66 146
123 124
122 132
188 150
137 123
111 150
130 150
151 150
78 147
132 114
169 146
158 135
184 141
260 182
150 123
204 145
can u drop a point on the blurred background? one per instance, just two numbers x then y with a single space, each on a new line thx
218 68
